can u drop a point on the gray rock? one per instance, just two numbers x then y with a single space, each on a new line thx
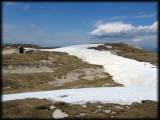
118 107
52 107
84 106
107 111
82 114
57 114
98 106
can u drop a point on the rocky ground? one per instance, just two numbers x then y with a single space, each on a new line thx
42 108
37 70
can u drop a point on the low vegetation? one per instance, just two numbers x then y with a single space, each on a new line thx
129 51
43 108
28 108
73 73
61 63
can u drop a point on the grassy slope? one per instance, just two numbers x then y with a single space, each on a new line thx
128 51
39 81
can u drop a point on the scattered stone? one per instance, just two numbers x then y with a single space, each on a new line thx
121 108
98 106
107 111
113 112
57 114
127 107
82 114
84 106
118 107
98 110
7 87
52 107
108 46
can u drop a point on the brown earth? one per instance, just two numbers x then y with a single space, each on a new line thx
42 108
24 72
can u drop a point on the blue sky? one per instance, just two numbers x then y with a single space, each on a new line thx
61 24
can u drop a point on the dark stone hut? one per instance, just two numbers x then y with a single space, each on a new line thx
21 49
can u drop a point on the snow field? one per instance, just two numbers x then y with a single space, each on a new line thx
139 80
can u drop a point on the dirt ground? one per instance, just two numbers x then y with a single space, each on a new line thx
42 108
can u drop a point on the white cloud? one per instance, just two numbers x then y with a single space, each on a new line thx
108 28
120 29
124 32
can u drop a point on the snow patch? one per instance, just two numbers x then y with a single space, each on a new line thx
139 80
125 71
121 95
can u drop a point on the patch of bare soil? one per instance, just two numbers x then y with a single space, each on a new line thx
42 108
129 51
81 74
9 51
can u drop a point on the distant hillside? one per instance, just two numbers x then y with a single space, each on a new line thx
27 45
129 51
18 45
